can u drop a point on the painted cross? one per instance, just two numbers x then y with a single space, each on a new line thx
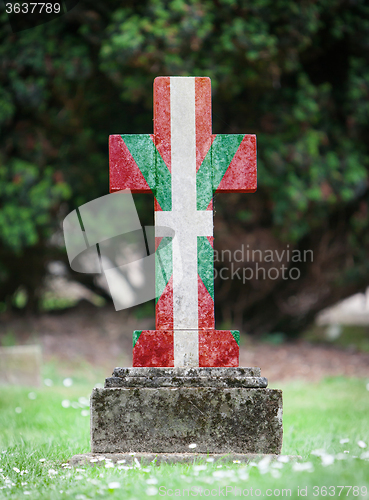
183 164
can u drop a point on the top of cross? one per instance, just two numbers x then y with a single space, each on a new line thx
233 156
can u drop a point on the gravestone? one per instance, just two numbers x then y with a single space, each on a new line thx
185 386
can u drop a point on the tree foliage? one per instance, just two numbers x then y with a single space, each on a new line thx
294 73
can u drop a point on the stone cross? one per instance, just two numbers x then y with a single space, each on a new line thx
183 164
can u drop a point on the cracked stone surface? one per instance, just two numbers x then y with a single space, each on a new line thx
186 382
169 419
186 377
187 372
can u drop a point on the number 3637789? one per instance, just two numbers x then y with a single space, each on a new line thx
32 8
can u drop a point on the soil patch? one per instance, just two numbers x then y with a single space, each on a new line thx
103 338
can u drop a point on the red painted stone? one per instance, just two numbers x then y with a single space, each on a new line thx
154 348
164 308
211 240
157 241
157 207
210 206
129 177
217 348
204 138
241 175
206 306
162 130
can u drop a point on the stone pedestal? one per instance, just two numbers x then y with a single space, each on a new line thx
164 410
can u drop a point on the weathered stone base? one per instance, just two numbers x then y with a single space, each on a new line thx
142 459
216 416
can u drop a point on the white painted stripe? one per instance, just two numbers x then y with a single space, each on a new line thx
183 146
185 220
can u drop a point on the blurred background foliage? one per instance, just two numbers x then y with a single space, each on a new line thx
294 73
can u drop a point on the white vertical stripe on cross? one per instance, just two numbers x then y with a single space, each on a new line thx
186 221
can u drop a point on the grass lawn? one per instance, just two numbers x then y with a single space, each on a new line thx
326 423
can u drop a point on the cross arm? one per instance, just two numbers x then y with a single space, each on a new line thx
230 163
132 163
233 158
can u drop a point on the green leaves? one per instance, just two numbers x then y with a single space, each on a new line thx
28 197
295 74
7 107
